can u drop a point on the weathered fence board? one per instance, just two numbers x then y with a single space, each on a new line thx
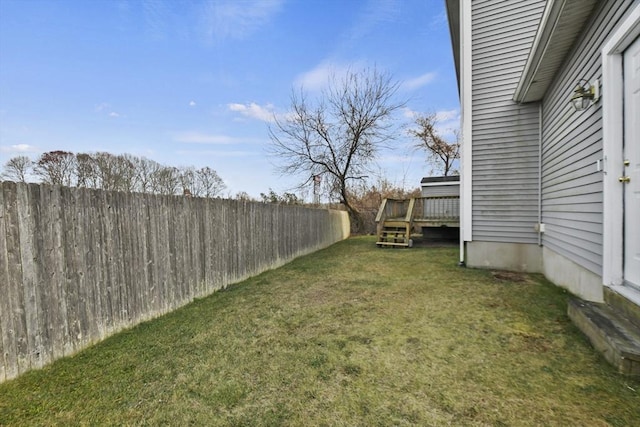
77 265
8 362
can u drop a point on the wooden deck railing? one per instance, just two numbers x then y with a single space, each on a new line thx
437 208
393 208
427 210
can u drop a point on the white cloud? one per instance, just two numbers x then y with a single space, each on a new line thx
418 82
409 113
156 14
316 78
447 121
19 148
374 13
203 138
447 115
219 153
265 113
440 115
192 103
103 107
395 159
221 19
319 77
100 107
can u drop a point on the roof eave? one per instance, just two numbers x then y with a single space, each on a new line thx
453 17
560 25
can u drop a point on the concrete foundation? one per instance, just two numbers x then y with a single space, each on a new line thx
571 276
532 258
504 256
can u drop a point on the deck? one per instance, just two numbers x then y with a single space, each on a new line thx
397 218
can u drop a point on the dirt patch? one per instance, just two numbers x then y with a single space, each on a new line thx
510 276
532 342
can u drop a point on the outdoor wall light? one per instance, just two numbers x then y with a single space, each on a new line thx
585 94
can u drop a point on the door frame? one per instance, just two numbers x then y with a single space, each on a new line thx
612 136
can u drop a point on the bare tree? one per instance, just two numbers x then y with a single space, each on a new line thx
441 154
86 173
187 178
146 170
166 181
243 195
203 182
126 170
17 168
122 172
209 183
339 135
56 167
115 172
368 197
286 198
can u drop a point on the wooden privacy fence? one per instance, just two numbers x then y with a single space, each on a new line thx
77 265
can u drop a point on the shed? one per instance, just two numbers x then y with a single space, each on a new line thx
440 186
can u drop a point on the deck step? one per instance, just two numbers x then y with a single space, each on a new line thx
395 233
610 333
624 300
393 244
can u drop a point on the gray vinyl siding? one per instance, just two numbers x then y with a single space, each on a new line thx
441 190
572 143
505 134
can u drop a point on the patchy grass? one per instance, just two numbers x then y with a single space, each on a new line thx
352 335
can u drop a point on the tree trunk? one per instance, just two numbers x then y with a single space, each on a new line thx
354 215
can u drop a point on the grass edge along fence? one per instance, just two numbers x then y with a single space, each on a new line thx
78 265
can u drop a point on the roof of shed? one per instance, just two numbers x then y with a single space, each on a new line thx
429 179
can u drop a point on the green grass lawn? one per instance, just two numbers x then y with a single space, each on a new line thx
352 335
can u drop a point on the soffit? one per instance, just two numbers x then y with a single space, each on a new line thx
560 26
453 17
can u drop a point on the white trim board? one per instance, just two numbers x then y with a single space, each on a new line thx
465 100
439 184
612 135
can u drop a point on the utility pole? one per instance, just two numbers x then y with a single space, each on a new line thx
317 179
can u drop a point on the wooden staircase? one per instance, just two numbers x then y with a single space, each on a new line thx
395 222
395 233
612 327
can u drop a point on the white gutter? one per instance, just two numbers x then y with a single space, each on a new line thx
540 227
467 139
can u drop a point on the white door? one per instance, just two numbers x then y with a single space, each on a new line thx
632 170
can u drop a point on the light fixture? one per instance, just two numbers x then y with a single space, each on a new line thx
585 94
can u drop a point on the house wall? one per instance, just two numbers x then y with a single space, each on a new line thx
505 134
572 190
451 189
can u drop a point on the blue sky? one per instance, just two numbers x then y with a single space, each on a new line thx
196 82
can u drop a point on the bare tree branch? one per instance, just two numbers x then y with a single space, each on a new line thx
441 153
17 168
56 167
339 135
